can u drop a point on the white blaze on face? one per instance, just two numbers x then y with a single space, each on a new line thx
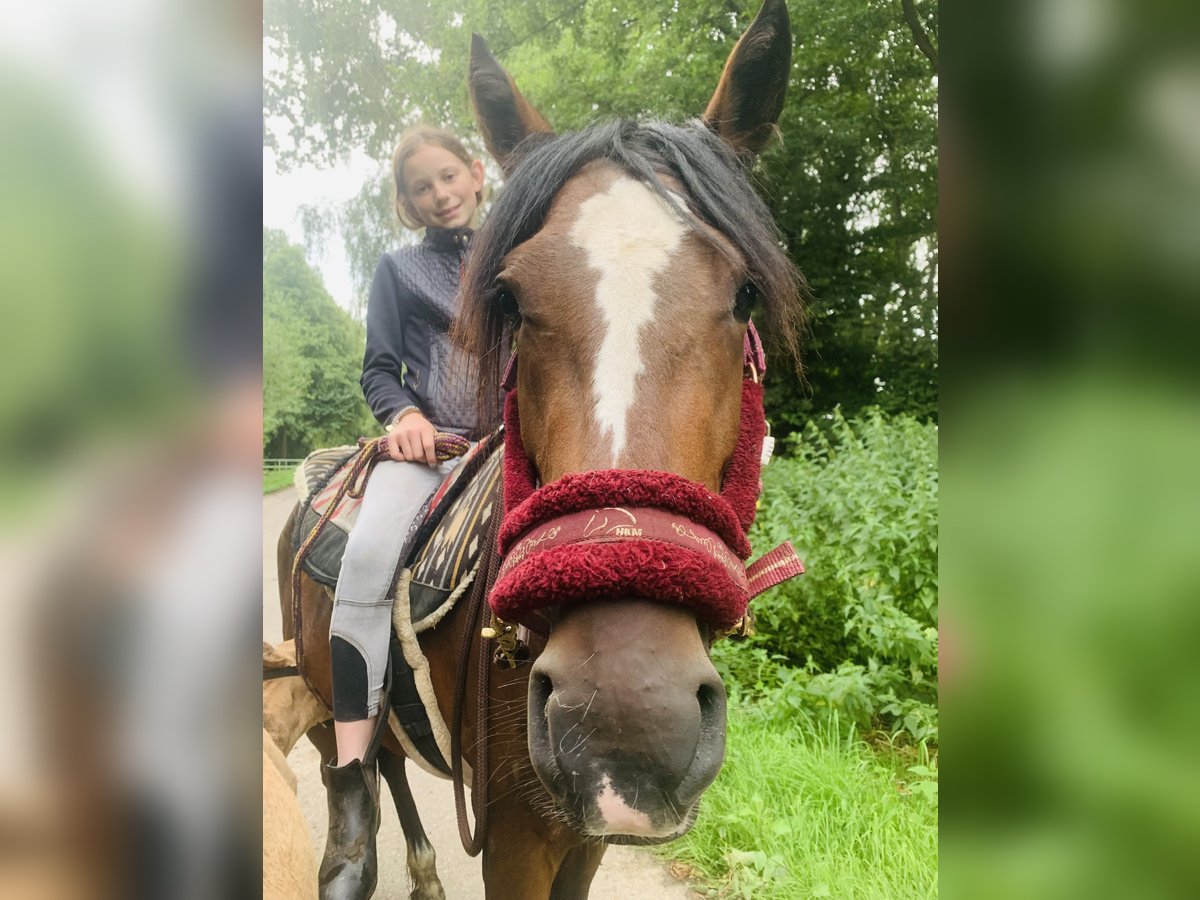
629 234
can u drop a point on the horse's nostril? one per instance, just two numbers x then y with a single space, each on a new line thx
709 697
541 750
540 689
710 746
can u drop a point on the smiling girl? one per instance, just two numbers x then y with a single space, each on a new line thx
414 391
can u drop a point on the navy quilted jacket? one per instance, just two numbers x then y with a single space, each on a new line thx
409 311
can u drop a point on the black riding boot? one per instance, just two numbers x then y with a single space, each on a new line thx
350 868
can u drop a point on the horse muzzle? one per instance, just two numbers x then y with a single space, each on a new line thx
626 719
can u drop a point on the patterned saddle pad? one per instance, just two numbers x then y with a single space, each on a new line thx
444 552
317 481
441 547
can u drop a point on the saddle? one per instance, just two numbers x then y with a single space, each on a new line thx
438 562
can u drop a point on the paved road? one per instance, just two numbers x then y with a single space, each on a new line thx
626 874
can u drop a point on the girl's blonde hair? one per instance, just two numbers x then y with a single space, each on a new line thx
410 141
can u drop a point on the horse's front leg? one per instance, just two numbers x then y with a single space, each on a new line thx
522 854
574 879
422 861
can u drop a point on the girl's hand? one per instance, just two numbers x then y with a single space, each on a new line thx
411 439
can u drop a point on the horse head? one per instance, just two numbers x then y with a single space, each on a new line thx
629 256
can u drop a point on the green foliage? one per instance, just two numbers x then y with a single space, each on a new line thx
857 632
812 811
852 182
312 357
278 480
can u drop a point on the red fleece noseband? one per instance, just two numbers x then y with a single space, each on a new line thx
609 488
663 572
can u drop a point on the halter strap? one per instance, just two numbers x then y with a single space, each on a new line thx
754 358
509 383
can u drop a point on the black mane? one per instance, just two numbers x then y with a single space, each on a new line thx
718 194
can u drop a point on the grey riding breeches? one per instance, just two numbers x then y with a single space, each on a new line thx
360 628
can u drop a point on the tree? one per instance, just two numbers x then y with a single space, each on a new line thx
312 356
852 182
287 374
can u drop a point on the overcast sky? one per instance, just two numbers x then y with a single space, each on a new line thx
285 193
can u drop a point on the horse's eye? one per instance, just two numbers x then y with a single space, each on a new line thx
507 301
744 301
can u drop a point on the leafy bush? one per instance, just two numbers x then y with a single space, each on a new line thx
858 632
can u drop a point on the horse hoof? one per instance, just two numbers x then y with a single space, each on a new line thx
346 884
430 891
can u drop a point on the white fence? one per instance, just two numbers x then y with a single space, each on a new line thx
278 465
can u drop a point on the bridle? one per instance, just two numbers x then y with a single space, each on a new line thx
592 536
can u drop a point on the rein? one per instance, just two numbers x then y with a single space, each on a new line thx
488 566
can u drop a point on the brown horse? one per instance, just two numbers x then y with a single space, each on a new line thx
628 257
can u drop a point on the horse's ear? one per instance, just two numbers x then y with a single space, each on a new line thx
749 96
505 117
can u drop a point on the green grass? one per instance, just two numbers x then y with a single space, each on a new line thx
277 481
812 811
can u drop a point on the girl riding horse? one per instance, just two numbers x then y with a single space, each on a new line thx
410 381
